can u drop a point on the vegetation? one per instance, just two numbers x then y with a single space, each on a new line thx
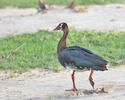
34 3
22 52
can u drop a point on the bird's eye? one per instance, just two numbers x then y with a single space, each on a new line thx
60 25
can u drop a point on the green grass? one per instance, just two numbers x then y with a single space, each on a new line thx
34 3
22 52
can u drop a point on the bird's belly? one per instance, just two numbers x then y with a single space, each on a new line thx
79 69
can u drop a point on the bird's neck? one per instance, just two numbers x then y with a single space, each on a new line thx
62 42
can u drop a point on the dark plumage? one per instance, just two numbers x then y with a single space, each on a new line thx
78 58
81 58
42 6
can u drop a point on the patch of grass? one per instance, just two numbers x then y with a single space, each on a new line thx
22 52
34 3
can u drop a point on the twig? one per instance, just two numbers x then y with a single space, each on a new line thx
15 50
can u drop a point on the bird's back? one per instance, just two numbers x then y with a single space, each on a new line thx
42 5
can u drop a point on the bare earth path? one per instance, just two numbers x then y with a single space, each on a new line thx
42 85
99 18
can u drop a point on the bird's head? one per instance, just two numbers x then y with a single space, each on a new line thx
61 26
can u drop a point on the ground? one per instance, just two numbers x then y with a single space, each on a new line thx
99 18
39 84
45 85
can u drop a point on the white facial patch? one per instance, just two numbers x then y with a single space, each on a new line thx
60 26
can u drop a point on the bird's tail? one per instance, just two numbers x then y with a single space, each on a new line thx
99 68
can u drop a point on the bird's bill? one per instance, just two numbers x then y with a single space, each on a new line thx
58 27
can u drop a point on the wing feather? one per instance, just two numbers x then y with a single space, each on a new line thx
81 57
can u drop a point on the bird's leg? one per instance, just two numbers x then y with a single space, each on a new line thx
91 80
73 80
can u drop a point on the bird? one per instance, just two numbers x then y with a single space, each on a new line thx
42 6
78 58
81 10
73 4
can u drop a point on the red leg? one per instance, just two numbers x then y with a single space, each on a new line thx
73 80
90 79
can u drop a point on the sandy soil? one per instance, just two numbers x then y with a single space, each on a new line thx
39 84
99 18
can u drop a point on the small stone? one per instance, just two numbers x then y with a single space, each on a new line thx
98 90
74 93
108 90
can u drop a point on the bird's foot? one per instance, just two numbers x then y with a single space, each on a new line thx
74 89
92 83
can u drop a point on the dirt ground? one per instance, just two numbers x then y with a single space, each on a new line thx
99 18
39 84
45 85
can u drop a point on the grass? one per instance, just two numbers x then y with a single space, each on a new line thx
34 3
22 52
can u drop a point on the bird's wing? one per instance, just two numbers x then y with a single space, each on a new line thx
89 53
81 57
